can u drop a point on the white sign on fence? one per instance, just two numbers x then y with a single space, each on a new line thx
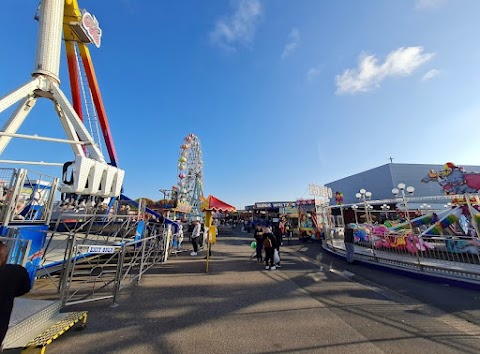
101 249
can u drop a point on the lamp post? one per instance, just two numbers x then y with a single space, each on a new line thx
355 208
364 195
385 209
425 208
401 191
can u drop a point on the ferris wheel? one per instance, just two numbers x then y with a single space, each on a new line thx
190 175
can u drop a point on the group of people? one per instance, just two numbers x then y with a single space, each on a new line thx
270 243
196 232
199 237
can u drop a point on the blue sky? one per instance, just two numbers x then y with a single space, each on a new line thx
280 93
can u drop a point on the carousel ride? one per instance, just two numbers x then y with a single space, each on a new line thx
436 242
190 177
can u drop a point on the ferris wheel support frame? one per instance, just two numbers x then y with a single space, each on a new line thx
190 175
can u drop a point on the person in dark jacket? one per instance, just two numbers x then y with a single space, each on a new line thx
14 281
258 235
269 244
349 241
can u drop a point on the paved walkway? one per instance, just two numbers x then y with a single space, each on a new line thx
310 305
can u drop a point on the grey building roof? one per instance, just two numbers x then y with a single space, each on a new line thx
381 180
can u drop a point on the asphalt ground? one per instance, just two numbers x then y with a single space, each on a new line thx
315 303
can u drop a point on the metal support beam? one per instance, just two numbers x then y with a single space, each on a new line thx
16 120
74 126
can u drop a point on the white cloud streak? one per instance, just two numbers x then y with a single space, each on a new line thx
292 43
427 4
313 73
239 27
430 75
370 73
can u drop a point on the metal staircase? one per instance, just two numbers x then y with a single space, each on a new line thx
36 323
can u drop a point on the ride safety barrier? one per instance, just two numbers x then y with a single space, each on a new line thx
454 258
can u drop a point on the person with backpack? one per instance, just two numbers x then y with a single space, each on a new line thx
269 245
278 233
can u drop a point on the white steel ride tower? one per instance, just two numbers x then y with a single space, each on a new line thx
89 174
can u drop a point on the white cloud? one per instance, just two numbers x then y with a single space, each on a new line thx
292 43
430 75
313 73
370 73
239 27
427 4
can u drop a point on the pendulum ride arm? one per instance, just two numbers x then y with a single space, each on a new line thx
72 14
97 99
73 76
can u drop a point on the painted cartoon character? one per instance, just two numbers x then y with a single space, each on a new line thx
339 198
454 180
415 244
463 246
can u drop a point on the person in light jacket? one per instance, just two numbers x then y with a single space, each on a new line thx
195 236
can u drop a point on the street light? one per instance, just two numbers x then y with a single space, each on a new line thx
425 207
385 209
355 208
364 195
401 190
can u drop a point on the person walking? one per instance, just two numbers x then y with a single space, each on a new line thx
288 232
195 236
14 281
201 238
282 226
206 241
269 244
258 235
278 241
349 241
180 237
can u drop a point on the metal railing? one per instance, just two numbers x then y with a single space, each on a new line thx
25 196
98 271
18 248
455 257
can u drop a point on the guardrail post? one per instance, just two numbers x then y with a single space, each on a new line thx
141 261
118 275
420 266
63 285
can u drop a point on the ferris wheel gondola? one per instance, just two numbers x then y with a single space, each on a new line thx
190 175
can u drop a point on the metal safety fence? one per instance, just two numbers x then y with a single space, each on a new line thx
25 196
453 257
98 271
18 248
